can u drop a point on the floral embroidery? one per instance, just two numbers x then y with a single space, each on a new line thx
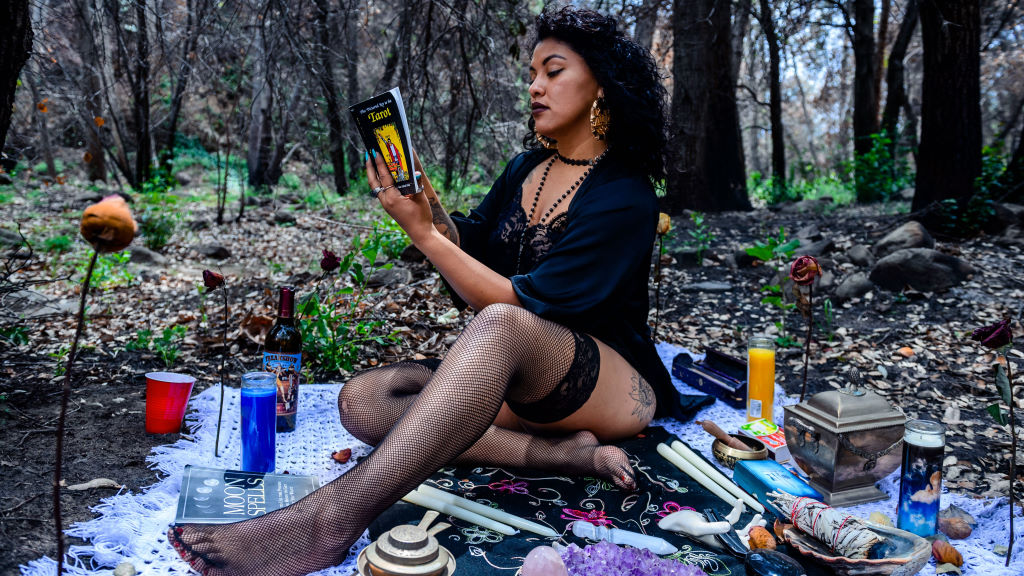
671 508
478 535
595 517
510 486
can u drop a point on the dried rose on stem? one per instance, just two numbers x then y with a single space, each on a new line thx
212 280
999 337
803 272
109 227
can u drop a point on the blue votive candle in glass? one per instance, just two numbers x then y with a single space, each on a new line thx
259 420
921 477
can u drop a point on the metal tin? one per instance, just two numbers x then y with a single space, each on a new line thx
407 550
845 440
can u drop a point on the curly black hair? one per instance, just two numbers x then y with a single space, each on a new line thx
629 75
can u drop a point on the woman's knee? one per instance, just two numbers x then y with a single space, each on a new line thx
500 317
352 399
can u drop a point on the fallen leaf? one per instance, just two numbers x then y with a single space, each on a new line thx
342 455
906 351
95 483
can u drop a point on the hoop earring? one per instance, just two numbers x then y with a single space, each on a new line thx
600 119
546 142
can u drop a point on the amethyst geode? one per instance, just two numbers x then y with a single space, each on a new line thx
607 559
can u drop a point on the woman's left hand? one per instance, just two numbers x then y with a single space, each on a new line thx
412 212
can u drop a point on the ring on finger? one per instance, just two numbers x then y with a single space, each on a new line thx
377 191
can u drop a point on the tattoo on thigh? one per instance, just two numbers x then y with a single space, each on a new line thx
644 396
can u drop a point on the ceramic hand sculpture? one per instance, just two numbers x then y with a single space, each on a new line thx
695 525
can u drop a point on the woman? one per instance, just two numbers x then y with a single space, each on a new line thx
558 358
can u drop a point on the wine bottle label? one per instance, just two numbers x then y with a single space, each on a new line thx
287 367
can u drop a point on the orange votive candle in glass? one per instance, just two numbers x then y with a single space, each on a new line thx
760 378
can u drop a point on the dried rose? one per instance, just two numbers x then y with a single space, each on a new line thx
664 224
330 261
108 224
804 270
212 280
995 336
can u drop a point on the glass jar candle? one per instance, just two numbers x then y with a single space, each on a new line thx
921 477
760 378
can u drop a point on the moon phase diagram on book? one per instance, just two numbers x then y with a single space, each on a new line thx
391 146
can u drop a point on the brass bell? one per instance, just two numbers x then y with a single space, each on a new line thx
408 550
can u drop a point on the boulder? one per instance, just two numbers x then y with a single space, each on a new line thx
922 269
10 238
199 224
143 255
860 255
853 286
389 277
709 286
910 235
816 249
284 217
28 304
214 250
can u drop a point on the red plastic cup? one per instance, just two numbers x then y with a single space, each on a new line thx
167 396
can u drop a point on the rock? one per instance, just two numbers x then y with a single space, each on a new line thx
826 281
284 217
816 249
922 269
544 561
9 238
688 257
853 286
389 277
907 194
125 569
199 224
814 206
412 254
860 255
910 235
86 197
743 259
709 286
5 179
27 304
183 179
809 233
214 250
143 255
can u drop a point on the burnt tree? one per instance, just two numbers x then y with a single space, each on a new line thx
329 88
896 96
949 158
767 22
727 177
686 176
865 104
15 46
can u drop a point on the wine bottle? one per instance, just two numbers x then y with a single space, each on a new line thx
283 356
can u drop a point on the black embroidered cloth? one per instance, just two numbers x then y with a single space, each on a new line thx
558 501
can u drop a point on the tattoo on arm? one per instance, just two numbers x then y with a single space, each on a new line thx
643 394
443 222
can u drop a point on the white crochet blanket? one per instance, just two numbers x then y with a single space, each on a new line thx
131 526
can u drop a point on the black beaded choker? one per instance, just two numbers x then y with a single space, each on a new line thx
575 162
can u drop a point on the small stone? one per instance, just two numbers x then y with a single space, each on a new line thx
544 561
125 569
910 235
215 251
284 217
1000 550
143 255
880 519
709 286
860 255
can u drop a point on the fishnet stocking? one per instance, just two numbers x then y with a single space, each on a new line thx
372 402
504 350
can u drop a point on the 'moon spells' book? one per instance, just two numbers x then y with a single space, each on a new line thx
217 496
385 130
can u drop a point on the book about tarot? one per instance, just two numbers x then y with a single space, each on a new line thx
218 496
384 128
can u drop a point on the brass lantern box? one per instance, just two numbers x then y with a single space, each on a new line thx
845 440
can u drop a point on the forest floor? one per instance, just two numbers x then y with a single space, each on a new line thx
911 347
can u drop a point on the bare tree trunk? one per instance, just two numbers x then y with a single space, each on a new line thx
865 107
15 47
351 32
740 26
260 116
193 24
647 22
140 90
775 96
280 140
42 127
894 81
686 178
880 45
328 85
96 159
727 179
950 153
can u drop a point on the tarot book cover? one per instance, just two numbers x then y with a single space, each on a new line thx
384 128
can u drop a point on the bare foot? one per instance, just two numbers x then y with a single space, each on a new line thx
585 455
296 540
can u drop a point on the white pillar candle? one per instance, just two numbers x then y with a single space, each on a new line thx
421 499
715 475
691 471
487 511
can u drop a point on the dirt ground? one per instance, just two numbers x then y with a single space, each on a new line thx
946 377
